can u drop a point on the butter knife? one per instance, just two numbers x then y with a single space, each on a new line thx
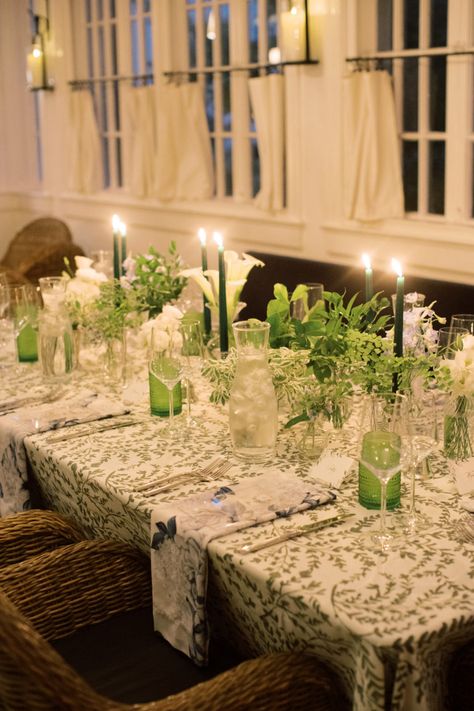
89 431
294 533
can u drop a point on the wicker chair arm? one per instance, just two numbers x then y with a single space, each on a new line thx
29 533
77 585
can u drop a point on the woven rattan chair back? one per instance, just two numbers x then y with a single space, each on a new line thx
45 232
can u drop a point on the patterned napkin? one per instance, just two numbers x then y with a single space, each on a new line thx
181 531
84 407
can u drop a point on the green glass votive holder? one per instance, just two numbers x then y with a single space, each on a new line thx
27 345
159 398
373 444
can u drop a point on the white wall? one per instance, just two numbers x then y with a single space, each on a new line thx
315 112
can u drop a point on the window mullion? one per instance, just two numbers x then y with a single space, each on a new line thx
109 88
241 155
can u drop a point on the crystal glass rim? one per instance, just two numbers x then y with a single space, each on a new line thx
463 317
247 327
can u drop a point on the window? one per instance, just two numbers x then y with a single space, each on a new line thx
35 97
434 98
222 35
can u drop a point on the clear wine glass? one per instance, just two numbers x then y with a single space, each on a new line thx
382 452
424 440
192 351
167 366
4 295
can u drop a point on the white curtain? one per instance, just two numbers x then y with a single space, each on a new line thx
183 169
373 188
141 109
267 98
85 158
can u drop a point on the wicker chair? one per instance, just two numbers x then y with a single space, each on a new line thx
29 533
59 591
39 250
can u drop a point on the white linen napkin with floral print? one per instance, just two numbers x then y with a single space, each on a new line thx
181 531
31 419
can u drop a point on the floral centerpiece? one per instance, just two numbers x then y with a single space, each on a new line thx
237 270
456 375
82 290
162 332
156 279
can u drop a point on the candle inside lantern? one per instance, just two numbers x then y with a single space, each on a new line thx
116 227
206 312
369 287
123 246
223 334
398 333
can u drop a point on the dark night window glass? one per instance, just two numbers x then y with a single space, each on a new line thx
410 95
255 167
192 37
228 165
437 94
224 29
209 43
410 175
272 23
384 25
436 177
227 117
209 94
439 23
411 24
253 30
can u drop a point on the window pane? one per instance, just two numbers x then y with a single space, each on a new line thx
112 8
88 11
118 156
90 57
253 30
133 7
384 25
227 119
135 55
115 89
224 23
439 23
146 6
192 37
228 165
148 46
100 10
410 175
410 95
209 43
436 177
272 24
113 37
210 101
255 167
411 23
101 52
105 161
437 93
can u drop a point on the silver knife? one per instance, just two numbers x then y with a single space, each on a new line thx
294 533
89 431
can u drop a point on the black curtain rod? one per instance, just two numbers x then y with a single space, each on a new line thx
388 57
240 68
102 80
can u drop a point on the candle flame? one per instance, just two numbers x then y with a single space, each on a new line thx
366 261
397 267
116 222
123 228
202 236
37 52
294 10
217 237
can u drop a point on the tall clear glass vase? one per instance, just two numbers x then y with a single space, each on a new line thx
253 410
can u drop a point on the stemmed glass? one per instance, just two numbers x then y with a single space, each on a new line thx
423 441
167 366
192 347
382 451
4 295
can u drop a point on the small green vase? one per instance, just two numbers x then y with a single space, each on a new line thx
27 344
159 399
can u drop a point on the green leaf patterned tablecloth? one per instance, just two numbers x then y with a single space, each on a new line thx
386 622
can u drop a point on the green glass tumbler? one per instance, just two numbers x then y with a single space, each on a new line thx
369 484
159 399
27 345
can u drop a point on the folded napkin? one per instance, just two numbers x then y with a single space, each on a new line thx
181 531
30 419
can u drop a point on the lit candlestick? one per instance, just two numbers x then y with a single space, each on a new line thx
398 337
223 335
123 247
369 287
207 314
116 227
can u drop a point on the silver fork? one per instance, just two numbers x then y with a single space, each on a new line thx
464 529
213 471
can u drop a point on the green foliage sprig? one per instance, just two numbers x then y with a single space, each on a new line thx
114 309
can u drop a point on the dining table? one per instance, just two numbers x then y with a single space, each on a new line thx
385 621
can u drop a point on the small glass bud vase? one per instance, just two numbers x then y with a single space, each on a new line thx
253 409
459 428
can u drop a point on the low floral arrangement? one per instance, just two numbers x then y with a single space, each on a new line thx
155 278
162 332
237 270
82 290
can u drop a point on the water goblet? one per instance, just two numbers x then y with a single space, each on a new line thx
463 321
450 340
167 367
302 306
192 349
4 295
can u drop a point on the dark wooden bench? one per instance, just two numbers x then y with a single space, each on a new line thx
450 297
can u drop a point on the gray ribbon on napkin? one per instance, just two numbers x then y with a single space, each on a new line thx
181 531
85 407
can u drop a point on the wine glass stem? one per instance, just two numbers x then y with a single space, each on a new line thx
171 408
188 400
413 482
383 507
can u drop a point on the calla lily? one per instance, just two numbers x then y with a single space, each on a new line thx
201 281
237 268
213 277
